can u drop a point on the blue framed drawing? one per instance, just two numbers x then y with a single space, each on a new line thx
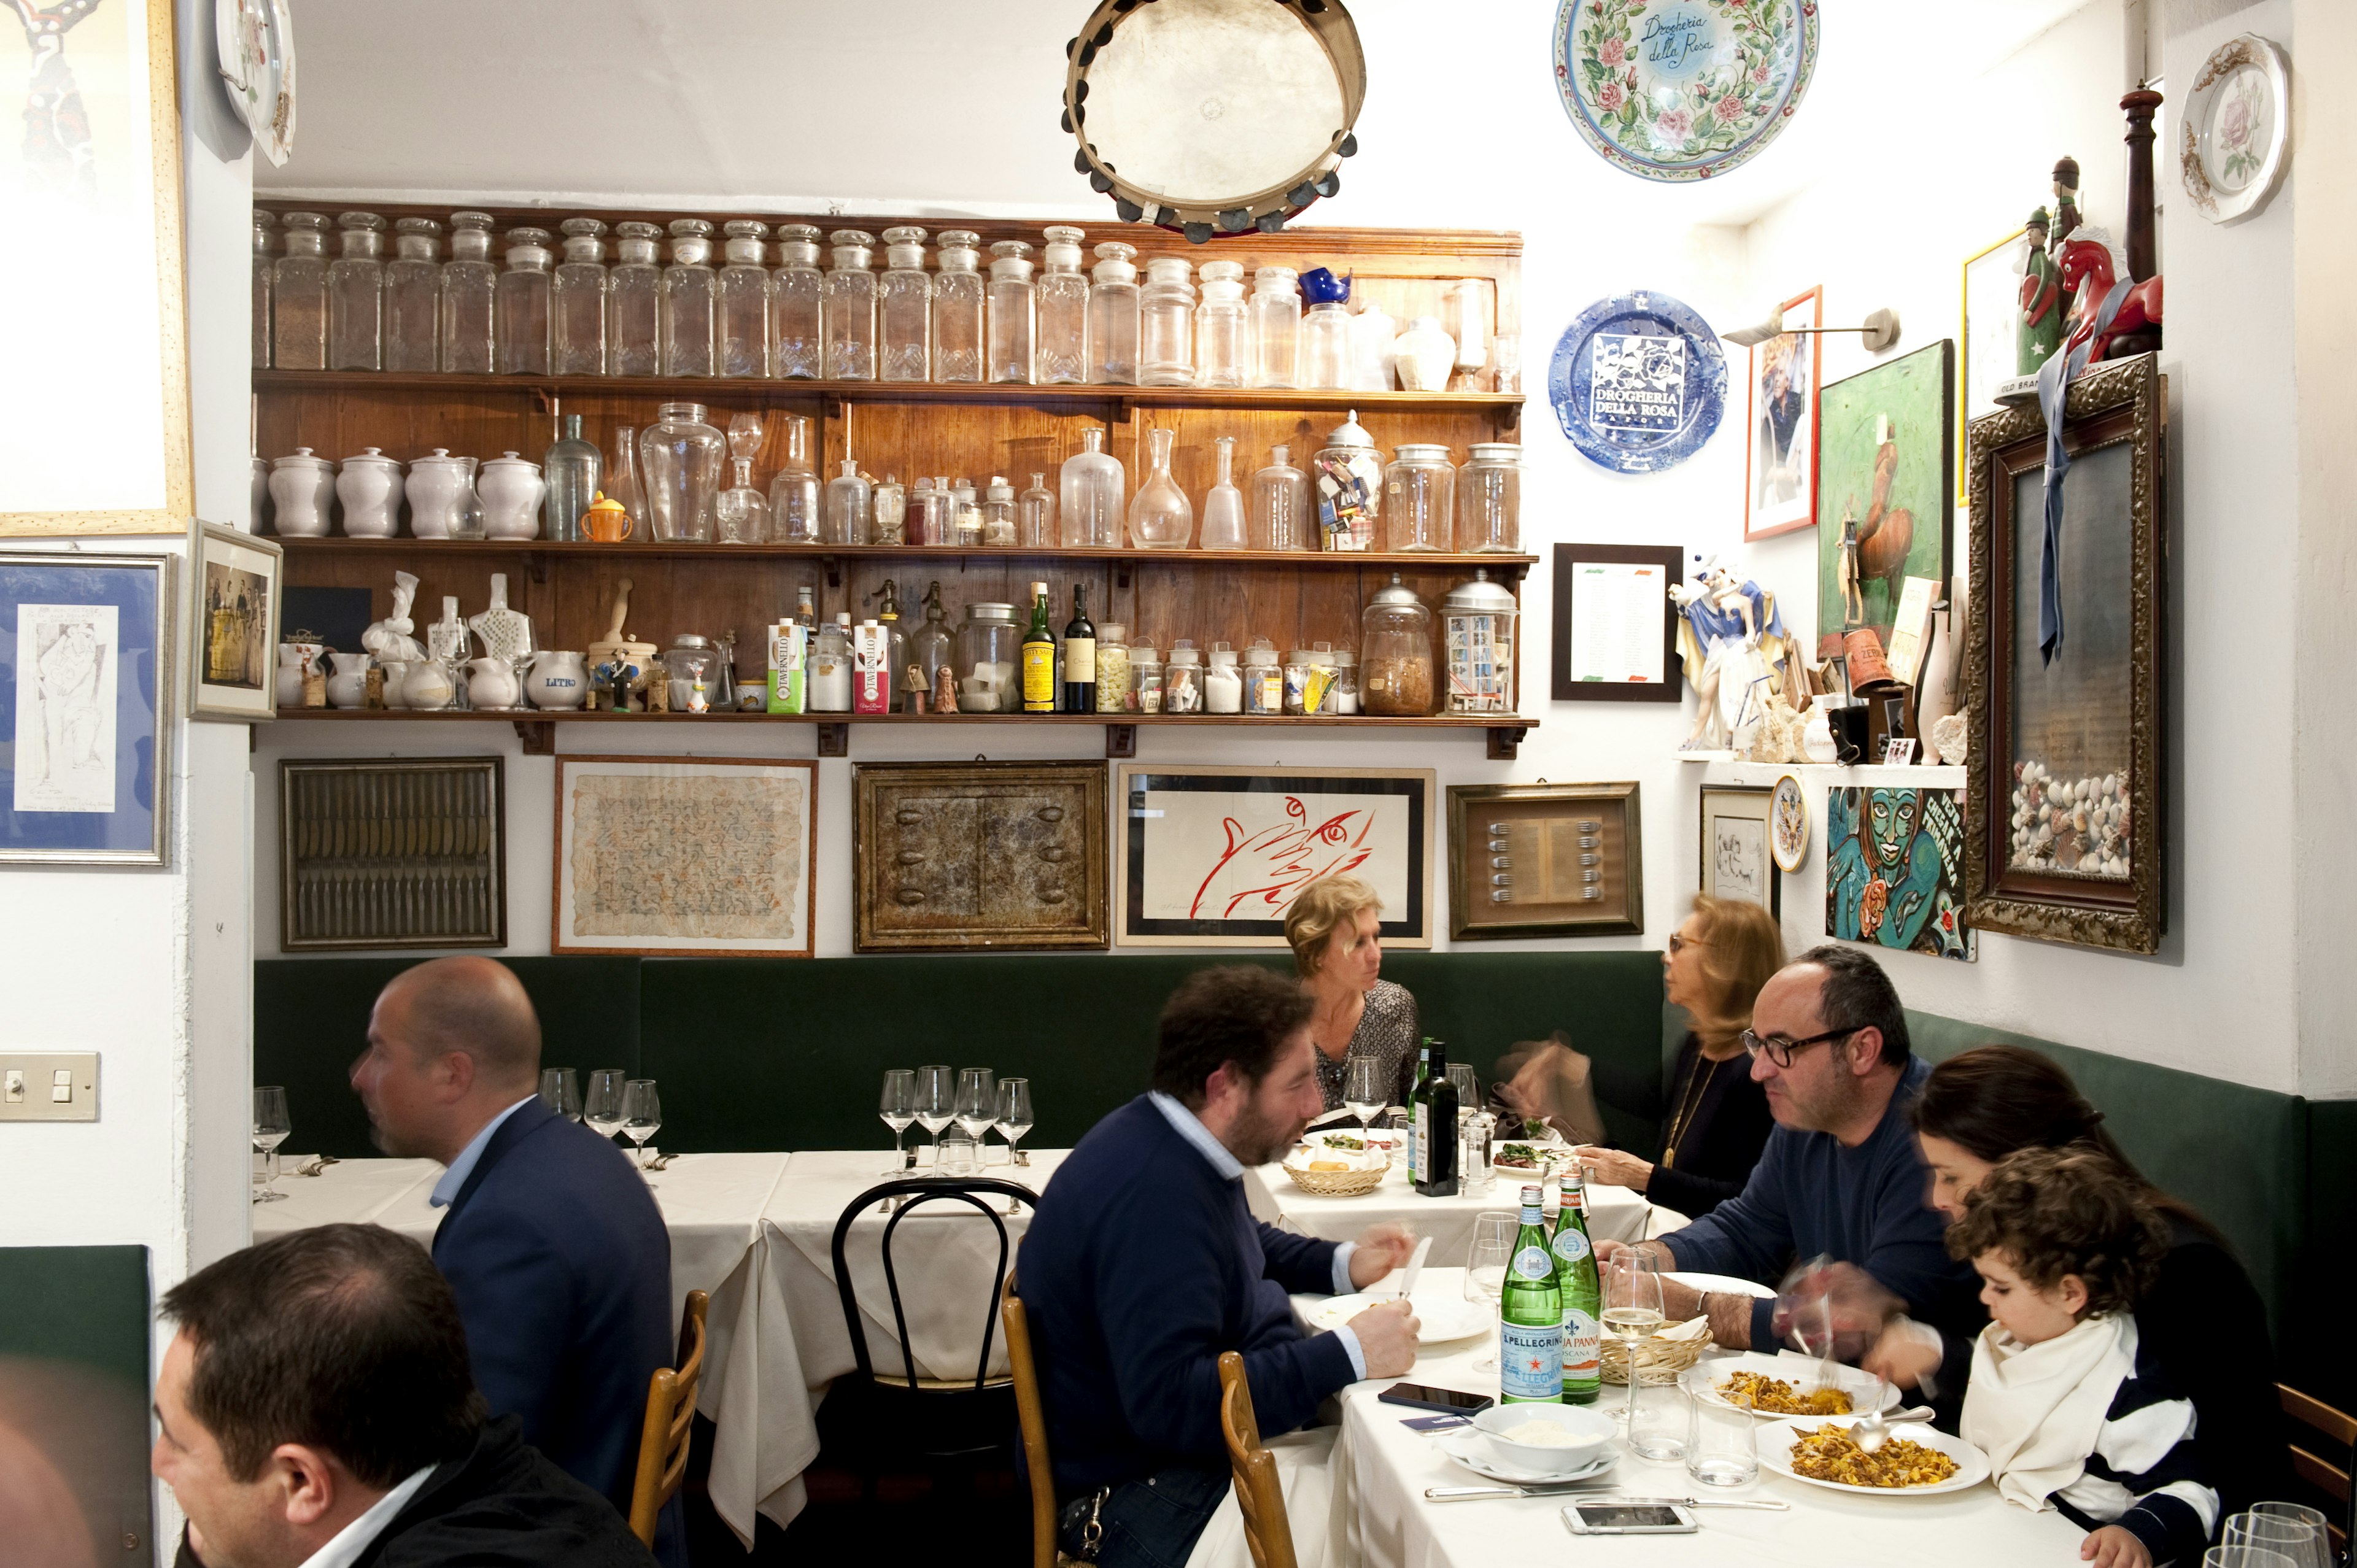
1637 382
85 724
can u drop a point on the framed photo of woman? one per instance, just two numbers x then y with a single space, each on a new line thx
1780 477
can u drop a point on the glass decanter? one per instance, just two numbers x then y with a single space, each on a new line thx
264 266
1035 516
679 461
1160 517
1012 312
998 515
1059 354
741 515
469 282
904 308
412 296
687 288
741 300
577 301
1113 317
521 315
634 303
847 500
851 308
797 290
1282 517
573 469
793 493
1222 335
957 309
299 297
622 486
1166 309
1276 327
356 296
1223 504
1091 481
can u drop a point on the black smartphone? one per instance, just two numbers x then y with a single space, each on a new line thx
1456 1401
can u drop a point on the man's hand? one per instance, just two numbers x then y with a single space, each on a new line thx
2112 1547
1527 1092
1902 1359
1383 1249
1387 1339
1618 1166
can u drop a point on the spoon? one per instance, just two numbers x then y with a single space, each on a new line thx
1872 1430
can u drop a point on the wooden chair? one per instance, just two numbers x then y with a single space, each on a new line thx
1031 1424
1260 1493
2328 1476
670 1416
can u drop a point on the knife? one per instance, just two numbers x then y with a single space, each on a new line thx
1548 1489
1414 1267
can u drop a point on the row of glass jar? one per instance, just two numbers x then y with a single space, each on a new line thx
576 316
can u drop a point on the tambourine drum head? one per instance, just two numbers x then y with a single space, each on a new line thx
1202 101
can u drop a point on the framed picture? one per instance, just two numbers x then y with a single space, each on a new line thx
1894 870
1214 856
1885 491
705 856
86 668
410 853
1991 313
100 154
1544 860
1898 751
2064 770
957 855
1615 632
1737 854
1780 491
234 598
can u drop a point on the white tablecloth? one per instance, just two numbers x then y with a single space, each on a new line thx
1614 1213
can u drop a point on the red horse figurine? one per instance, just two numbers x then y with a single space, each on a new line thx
2087 278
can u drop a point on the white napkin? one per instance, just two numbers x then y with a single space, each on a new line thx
2037 1410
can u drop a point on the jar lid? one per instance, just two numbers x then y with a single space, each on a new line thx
1309 656
1218 291
1143 654
1063 250
1222 656
1182 651
440 457
1344 658
1350 433
1220 271
301 459
527 246
367 456
511 460
1276 280
482 220
1110 632
604 503
1167 268
1260 654
577 228
1479 595
1320 286
679 412
690 642
1115 264
690 229
998 490
630 228
1421 452
746 229
1398 595
1013 260
991 612
851 246
366 223
1496 451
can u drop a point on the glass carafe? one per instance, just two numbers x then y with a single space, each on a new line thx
573 469
1223 338
469 282
739 514
958 293
890 513
299 297
904 308
264 267
848 498
1011 312
1166 310
797 297
577 301
1113 317
687 288
1091 481
793 493
851 308
741 300
679 462
1276 327
356 296
1160 517
412 296
1282 517
522 313
1060 352
1035 516
634 303
1223 504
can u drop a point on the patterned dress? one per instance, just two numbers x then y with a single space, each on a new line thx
1386 1032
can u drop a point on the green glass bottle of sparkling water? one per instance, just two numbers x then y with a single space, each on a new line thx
1530 1317
1583 1298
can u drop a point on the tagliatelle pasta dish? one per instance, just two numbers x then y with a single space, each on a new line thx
1756 1391
1828 1453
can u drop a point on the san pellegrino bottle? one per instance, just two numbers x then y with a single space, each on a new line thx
1583 1298
1038 657
1530 1317
1414 1091
1435 1171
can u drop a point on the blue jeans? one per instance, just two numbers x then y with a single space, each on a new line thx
1151 1523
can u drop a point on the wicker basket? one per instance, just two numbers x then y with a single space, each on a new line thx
1663 1359
1339 1184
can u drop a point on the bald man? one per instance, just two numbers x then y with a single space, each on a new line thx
551 1241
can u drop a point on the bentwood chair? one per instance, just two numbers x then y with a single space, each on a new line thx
1031 1421
670 1417
1259 1492
2328 1476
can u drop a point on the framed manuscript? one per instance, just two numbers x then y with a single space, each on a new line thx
1544 860
1615 632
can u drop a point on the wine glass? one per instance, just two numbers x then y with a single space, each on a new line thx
270 1128
602 1111
2296 1538
745 435
641 1114
1015 1116
936 1103
2320 1545
1632 1310
2243 1554
1486 1257
1365 1090
560 1091
977 1106
898 1109
1468 1087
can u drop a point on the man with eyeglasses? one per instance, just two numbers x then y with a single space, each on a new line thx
1841 1176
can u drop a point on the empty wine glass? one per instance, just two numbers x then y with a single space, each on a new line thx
2320 1544
270 1128
936 1104
560 1091
1469 1088
977 1106
745 435
898 1109
1015 1116
641 1114
1633 1312
602 1111
1491 1249
2296 1538
1365 1090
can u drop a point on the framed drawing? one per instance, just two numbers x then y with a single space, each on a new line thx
86 670
1894 870
1213 857
2063 777
952 856
101 154
1780 491
1738 856
234 611
704 857
404 854
1990 351
1615 632
1886 494
1544 860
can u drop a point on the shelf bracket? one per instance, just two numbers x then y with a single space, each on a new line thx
1121 411
1121 740
535 567
1506 741
548 399
1509 420
539 736
832 566
834 740
1121 573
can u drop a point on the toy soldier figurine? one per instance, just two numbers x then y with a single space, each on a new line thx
2066 204
1853 590
2039 331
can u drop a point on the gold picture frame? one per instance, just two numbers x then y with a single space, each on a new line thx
1978 276
1523 858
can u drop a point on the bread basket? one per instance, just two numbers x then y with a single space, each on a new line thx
1339 1184
1663 1355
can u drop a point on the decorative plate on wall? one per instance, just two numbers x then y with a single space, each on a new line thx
1637 382
2237 129
1788 823
256 39
1684 90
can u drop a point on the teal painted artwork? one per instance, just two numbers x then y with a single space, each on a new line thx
1895 870
1886 489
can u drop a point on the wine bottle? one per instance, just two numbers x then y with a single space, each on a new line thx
1414 1096
1038 657
1079 656
1435 1129
1583 1298
1530 1317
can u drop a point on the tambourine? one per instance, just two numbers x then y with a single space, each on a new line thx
1214 116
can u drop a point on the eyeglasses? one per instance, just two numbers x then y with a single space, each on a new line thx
1679 943
1781 1051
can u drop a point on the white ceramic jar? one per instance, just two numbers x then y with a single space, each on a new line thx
426 686
369 488
348 687
439 485
294 661
511 489
1424 355
493 683
556 680
303 488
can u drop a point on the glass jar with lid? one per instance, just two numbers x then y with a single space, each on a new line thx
1276 326
1114 685
1395 653
1060 352
989 652
690 663
1264 679
1223 683
1223 329
998 513
1282 517
1166 310
904 308
468 281
679 462
1489 499
1145 680
1420 498
356 296
633 302
797 291
1113 315
577 301
521 313
740 304
1347 478
959 308
299 297
851 308
412 296
1478 623
264 269
1346 681
1309 679
687 289
1323 361
1182 679
1011 313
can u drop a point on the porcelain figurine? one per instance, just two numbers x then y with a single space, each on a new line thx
556 680
493 683
389 639
1730 638
302 486
348 687
440 489
511 489
369 487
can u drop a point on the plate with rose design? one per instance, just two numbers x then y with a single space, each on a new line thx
1683 90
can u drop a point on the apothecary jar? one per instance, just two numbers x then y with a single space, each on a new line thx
678 462
1395 653
1489 499
989 649
1478 624
1419 498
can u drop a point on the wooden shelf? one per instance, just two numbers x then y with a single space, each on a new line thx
1509 566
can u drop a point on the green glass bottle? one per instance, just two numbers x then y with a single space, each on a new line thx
1583 1297
1038 655
1414 1090
1434 1112
1530 1317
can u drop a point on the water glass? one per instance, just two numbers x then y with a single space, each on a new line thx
1486 1257
2296 1538
560 1091
955 1154
602 1111
270 1128
1658 1426
1723 1438
1468 1087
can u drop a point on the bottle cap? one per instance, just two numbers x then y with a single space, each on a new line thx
1167 270
999 490
960 248
1039 590
843 617
904 247
1222 656
797 244
744 246
528 247
1222 272
1276 280
852 247
1063 251
1112 632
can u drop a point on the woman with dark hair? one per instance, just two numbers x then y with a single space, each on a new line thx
1983 1104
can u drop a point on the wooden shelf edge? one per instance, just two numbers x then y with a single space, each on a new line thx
300 545
548 716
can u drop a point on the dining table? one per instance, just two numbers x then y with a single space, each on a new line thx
1614 1213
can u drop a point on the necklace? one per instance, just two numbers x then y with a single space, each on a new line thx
1690 1095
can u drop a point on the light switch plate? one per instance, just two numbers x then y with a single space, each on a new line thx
29 1084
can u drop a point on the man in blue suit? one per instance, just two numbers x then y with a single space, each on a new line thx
551 1243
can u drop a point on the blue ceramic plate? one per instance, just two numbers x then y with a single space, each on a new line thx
1639 382
1683 90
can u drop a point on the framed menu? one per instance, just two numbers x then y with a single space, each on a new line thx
1615 632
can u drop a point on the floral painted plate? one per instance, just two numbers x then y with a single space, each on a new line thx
2237 129
256 43
1637 382
1788 824
1680 90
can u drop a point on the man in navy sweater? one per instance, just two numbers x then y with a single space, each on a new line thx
1144 1264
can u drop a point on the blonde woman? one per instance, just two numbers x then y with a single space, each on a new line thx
1718 1118
1335 929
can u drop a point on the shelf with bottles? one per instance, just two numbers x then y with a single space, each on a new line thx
949 556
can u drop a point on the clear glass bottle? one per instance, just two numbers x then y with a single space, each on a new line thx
1420 498
793 493
1282 517
1489 499
356 296
412 296
928 521
687 289
741 300
1222 328
679 462
577 301
904 309
1061 353
573 469
930 646
851 308
1324 362
797 296
622 486
634 303
958 311
739 513
1091 481
1035 516
298 306
998 515
1160 518
1013 312
965 514
1166 311
846 503
1396 648
1223 504
264 266
1276 327
1113 315
523 304
469 283
890 513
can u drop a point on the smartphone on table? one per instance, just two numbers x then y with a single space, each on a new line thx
1633 1517
1423 1396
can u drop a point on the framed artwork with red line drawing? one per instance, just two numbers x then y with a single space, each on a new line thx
1780 471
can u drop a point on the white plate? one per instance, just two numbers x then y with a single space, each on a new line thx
1439 1318
1472 1450
1798 1370
1972 1465
1723 1284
